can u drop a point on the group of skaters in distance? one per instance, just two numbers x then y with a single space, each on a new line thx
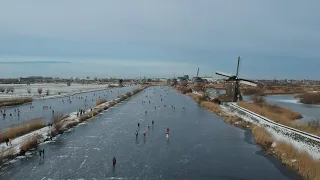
86 100
114 161
155 107
16 112
144 132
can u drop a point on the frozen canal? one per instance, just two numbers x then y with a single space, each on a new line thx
201 146
27 113
309 112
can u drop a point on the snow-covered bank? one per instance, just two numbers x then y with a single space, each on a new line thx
197 93
40 97
44 134
300 142
55 90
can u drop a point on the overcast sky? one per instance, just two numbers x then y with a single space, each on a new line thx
132 38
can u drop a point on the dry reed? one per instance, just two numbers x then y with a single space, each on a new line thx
305 165
184 90
310 98
262 137
21 129
32 142
100 101
14 101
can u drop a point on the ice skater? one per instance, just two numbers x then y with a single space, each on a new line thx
7 141
114 161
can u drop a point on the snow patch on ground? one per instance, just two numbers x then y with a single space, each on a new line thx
21 157
295 101
56 90
47 142
197 93
313 151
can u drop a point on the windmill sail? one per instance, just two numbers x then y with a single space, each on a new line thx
248 83
223 74
238 67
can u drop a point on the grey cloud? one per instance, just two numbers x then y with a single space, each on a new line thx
173 30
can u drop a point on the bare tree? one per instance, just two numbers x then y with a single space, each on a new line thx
257 99
10 89
2 89
40 90
57 122
47 92
29 90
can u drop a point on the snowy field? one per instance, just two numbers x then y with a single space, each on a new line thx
55 90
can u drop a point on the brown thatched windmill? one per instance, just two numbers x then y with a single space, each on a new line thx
233 84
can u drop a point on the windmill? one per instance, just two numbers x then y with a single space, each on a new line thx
120 82
233 89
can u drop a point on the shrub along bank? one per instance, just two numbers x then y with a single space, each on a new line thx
310 98
15 101
21 129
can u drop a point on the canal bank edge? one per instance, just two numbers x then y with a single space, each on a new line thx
288 153
44 134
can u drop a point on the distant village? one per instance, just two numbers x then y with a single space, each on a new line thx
183 80
206 80
86 80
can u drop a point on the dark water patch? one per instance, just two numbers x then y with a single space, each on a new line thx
248 137
284 170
